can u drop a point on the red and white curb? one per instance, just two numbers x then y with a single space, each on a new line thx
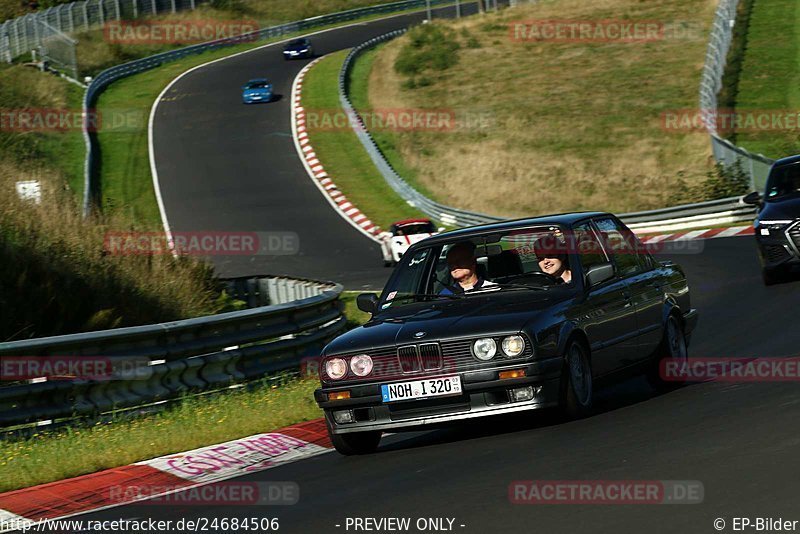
712 233
316 170
162 476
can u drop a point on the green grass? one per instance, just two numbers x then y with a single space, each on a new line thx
770 74
359 96
342 154
193 423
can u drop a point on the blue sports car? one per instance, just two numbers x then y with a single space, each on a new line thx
299 48
258 90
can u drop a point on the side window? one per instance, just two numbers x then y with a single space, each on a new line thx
622 245
588 247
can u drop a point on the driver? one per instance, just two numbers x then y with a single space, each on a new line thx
463 268
553 259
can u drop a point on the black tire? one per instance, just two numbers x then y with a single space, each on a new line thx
577 384
355 442
673 348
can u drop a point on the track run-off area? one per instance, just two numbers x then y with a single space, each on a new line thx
223 166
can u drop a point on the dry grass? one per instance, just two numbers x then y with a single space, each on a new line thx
572 125
57 277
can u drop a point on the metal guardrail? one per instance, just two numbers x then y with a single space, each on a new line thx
161 362
755 165
108 76
728 210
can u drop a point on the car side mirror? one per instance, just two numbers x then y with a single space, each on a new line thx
753 198
367 302
597 274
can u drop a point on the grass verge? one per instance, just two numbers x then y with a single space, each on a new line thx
770 77
192 423
340 151
547 125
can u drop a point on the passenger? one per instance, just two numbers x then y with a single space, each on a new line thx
464 270
553 259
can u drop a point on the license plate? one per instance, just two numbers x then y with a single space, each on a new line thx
421 389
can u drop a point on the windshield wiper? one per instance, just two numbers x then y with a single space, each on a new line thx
511 285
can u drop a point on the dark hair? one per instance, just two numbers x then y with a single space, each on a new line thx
550 247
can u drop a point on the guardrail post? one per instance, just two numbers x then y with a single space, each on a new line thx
172 2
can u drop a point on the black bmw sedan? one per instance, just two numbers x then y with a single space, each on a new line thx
777 225
503 318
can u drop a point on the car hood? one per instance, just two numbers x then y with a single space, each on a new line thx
264 91
471 316
295 48
785 208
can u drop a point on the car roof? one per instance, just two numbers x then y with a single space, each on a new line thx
564 219
411 221
787 161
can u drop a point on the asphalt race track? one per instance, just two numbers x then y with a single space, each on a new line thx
227 167
224 166
739 440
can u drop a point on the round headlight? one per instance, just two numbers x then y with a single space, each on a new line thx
336 368
513 346
485 348
361 365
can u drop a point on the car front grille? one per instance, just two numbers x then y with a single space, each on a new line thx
775 253
426 359
794 234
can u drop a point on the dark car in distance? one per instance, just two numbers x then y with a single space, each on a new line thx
523 340
298 48
777 225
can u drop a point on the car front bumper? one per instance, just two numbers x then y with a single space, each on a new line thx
483 394
780 248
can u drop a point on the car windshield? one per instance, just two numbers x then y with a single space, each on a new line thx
258 85
298 42
416 228
783 181
500 261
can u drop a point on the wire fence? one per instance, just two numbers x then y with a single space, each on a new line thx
756 166
25 34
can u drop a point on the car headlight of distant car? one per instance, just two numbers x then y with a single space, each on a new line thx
361 365
484 348
513 346
336 368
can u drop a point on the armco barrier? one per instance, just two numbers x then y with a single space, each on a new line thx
724 211
165 361
118 72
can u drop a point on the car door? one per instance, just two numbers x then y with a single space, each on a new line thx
644 281
607 314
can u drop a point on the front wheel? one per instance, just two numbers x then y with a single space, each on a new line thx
577 384
673 358
356 442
